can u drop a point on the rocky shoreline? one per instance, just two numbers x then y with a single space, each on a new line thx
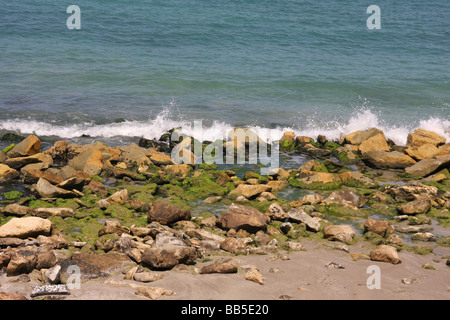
129 215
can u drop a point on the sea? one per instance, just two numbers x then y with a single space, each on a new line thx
139 68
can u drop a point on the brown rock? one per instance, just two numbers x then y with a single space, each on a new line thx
243 217
276 212
59 150
120 197
426 151
277 186
39 161
17 210
97 187
113 227
22 261
233 245
413 190
25 227
426 167
421 137
46 259
46 190
248 191
356 138
415 207
385 253
159 158
29 146
153 293
169 256
388 160
89 161
133 154
378 227
10 296
33 176
7 174
178 171
376 142
165 213
92 266
338 232
229 265
443 151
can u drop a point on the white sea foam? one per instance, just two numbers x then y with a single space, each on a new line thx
154 128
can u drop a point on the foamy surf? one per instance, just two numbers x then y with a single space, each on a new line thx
154 128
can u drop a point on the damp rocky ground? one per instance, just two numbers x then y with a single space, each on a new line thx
92 221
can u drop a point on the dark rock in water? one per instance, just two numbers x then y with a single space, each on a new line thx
322 139
165 213
12 137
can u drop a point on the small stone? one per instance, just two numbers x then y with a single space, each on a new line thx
334 265
153 293
148 276
253 274
428 266
52 275
410 281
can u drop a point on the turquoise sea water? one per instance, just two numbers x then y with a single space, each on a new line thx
140 68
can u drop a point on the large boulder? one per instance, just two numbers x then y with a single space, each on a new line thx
37 161
25 227
167 257
415 207
422 137
413 190
27 147
385 253
165 213
388 160
33 176
426 167
133 154
46 190
358 137
243 217
89 161
21 261
376 142
7 174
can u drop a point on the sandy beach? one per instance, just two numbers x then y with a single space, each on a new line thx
303 277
